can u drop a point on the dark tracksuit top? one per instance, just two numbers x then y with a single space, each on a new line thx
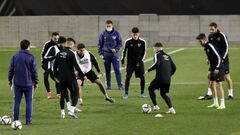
64 65
50 55
47 45
213 56
164 66
219 40
135 49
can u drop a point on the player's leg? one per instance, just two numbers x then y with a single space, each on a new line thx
58 89
28 93
129 70
116 66
73 87
221 91
17 100
103 90
208 96
151 89
80 100
139 72
214 93
62 98
46 83
230 85
164 89
107 65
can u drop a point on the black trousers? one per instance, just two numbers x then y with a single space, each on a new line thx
46 74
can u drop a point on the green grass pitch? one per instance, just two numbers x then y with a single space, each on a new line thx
124 117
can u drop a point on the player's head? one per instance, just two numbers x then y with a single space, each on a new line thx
109 25
25 44
135 33
157 46
213 27
81 48
202 39
55 37
70 42
62 41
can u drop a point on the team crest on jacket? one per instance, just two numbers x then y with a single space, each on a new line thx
114 37
139 45
218 39
166 57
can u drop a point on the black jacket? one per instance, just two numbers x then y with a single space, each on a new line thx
136 51
64 65
47 45
219 40
164 66
213 56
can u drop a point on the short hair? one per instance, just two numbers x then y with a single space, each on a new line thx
71 39
55 34
109 22
201 36
213 24
158 44
135 30
61 40
24 44
80 46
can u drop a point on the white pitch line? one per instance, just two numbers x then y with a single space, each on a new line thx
150 59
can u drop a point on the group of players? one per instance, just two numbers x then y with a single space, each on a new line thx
216 48
69 68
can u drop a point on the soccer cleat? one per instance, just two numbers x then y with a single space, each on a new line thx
171 111
109 99
62 115
72 114
108 87
156 108
206 97
125 96
213 106
49 95
58 96
230 97
221 107
121 88
77 110
143 95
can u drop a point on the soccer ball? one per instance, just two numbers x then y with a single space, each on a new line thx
146 108
16 125
6 120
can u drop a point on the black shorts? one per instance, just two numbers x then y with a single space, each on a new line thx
226 66
138 69
217 77
156 84
90 76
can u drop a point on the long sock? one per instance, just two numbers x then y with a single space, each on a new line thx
222 103
215 101
166 99
142 83
209 91
230 92
127 83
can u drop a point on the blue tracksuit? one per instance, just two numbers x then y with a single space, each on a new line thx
107 41
23 67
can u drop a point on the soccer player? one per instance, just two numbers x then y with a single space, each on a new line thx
216 75
165 68
23 68
135 48
46 65
64 66
86 60
109 43
219 40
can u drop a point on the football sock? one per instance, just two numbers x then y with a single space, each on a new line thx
166 99
142 83
230 92
209 92
222 102
215 101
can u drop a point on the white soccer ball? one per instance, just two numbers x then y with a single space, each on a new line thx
16 125
6 120
146 108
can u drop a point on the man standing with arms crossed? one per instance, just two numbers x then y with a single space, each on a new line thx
109 43
23 68
135 48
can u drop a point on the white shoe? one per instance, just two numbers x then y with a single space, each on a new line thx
62 115
221 107
74 115
156 108
171 111
77 110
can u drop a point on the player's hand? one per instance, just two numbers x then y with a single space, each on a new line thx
100 74
216 71
57 80
146 72
207 61
85 78
10 85
114 50
35 86
101 56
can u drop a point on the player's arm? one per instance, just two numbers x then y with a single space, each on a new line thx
225 47
124 51
216 57
76 63
50 54
94 62
173 66
153 67
144 50
11 71
34 72
119 42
